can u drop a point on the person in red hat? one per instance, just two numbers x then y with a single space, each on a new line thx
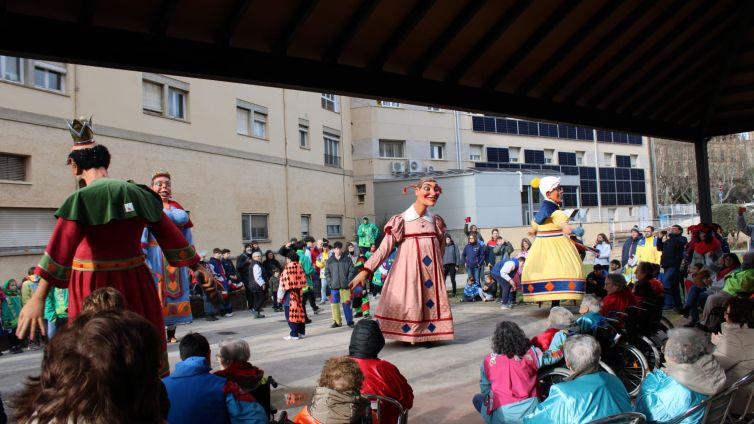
97 240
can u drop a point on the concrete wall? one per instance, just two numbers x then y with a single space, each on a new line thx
217 173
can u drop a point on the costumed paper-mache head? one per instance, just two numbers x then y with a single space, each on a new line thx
547 184
421 182
160 173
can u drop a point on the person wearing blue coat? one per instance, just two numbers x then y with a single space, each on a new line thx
196 396
590 395
689 376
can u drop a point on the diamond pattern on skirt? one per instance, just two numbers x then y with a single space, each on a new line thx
428 284
406 328
430 304
427 261
431 327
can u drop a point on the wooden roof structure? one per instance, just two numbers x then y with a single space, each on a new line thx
679 69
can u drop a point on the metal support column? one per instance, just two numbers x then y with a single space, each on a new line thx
702 179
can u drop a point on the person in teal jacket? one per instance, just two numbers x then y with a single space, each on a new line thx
56 310
10 310
308 291
690 375
367 233
589 395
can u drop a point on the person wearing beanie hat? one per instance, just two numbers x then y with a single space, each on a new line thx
97 241
553 270
380 377
628 254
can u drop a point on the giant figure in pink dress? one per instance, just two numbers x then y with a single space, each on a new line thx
414 305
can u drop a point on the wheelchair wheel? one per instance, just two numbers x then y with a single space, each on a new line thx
629 364
650 351
550 377
666 323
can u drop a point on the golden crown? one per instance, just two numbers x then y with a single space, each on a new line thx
81 130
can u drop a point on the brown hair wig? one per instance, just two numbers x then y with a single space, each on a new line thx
104 299
342 374
103 368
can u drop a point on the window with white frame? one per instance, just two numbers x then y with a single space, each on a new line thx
607 159
49 75
634 161
389 104
332 147
580 158
549 153
254 227
251 119
391 149
361 193
306 221
11 69
433 109
437 151
303 133
334 226
177 103
164 96
330 102
475 152
514 153
13 167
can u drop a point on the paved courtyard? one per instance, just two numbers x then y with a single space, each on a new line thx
444 376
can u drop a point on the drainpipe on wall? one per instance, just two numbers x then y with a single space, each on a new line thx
597 170
457 125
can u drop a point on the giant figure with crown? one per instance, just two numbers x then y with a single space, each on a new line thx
97 240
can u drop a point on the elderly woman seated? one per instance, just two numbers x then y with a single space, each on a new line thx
735 348
689 376
590 394
509 375
619 297
233 357
558 322
590 314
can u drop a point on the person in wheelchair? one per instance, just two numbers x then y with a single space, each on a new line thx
619 297
590 394
337 398
734 349
590 315
509 375
689 376
233 358
558 322
648 291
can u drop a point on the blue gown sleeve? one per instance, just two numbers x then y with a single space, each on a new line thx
484 383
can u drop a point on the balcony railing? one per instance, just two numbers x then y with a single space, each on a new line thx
334 161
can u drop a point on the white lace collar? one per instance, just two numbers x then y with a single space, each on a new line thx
411 214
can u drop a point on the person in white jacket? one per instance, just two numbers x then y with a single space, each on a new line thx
603 247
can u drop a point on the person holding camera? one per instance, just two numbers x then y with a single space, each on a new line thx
672 244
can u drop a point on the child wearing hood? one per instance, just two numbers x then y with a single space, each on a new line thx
337 399
10 311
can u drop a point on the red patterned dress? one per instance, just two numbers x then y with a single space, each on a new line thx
97 243
414 304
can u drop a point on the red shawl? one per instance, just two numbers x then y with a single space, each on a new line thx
702 247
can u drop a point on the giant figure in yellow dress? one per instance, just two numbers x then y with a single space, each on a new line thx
553 269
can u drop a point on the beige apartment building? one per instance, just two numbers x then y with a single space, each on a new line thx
608 172
249 162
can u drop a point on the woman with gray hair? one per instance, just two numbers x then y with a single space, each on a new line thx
689 376
590 394
233 357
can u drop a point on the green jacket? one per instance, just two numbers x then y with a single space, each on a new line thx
56 304
11 306
367 234
306 265
28 287
739 281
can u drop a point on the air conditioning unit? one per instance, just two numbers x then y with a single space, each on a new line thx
414 166
430 168
398 167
